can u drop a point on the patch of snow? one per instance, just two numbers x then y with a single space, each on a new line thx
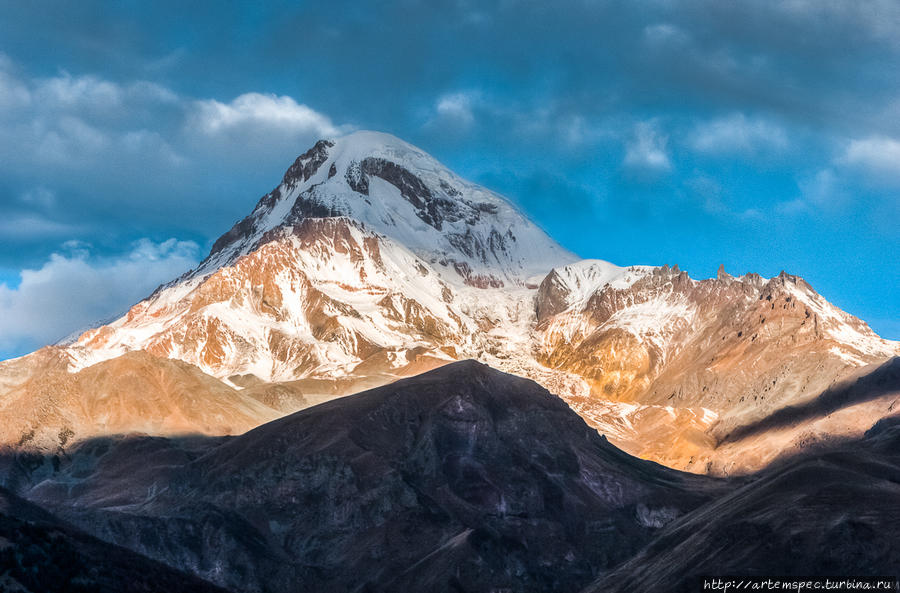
581 280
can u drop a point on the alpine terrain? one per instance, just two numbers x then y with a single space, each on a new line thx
371 261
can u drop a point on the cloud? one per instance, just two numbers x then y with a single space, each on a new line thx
738 134
121 156
661 35
74 289
100 126
823 191
709 194
29 226
878 156
13 93
457 108
646 152
792 207
81 123
708 191
255 110
40 197
81 91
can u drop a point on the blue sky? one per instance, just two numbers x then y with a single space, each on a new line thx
762 136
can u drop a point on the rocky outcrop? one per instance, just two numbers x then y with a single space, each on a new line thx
307 164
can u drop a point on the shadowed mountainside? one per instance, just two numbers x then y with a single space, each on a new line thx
468 479
39 553
831 513
841 413
463 478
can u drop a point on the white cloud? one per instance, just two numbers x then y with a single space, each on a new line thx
647 150
74 289
820 192
104 97
144 142
258 110
822 189
708 191
79 122
68 91
792 207
456 108
108 129
876 155
739 134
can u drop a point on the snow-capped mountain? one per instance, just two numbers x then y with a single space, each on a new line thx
468 233
371 261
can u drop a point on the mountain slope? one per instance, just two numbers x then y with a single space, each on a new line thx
318 298
135 392
461 478
673 364
371 262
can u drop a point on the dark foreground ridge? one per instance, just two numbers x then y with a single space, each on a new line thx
465 479
461 479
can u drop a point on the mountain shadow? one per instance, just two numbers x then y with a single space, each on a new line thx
883 380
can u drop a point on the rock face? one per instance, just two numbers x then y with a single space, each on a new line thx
371 262
463 478
38 552
843 520
683 363
324 298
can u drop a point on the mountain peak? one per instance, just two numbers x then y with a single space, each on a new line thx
372 143
471 234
